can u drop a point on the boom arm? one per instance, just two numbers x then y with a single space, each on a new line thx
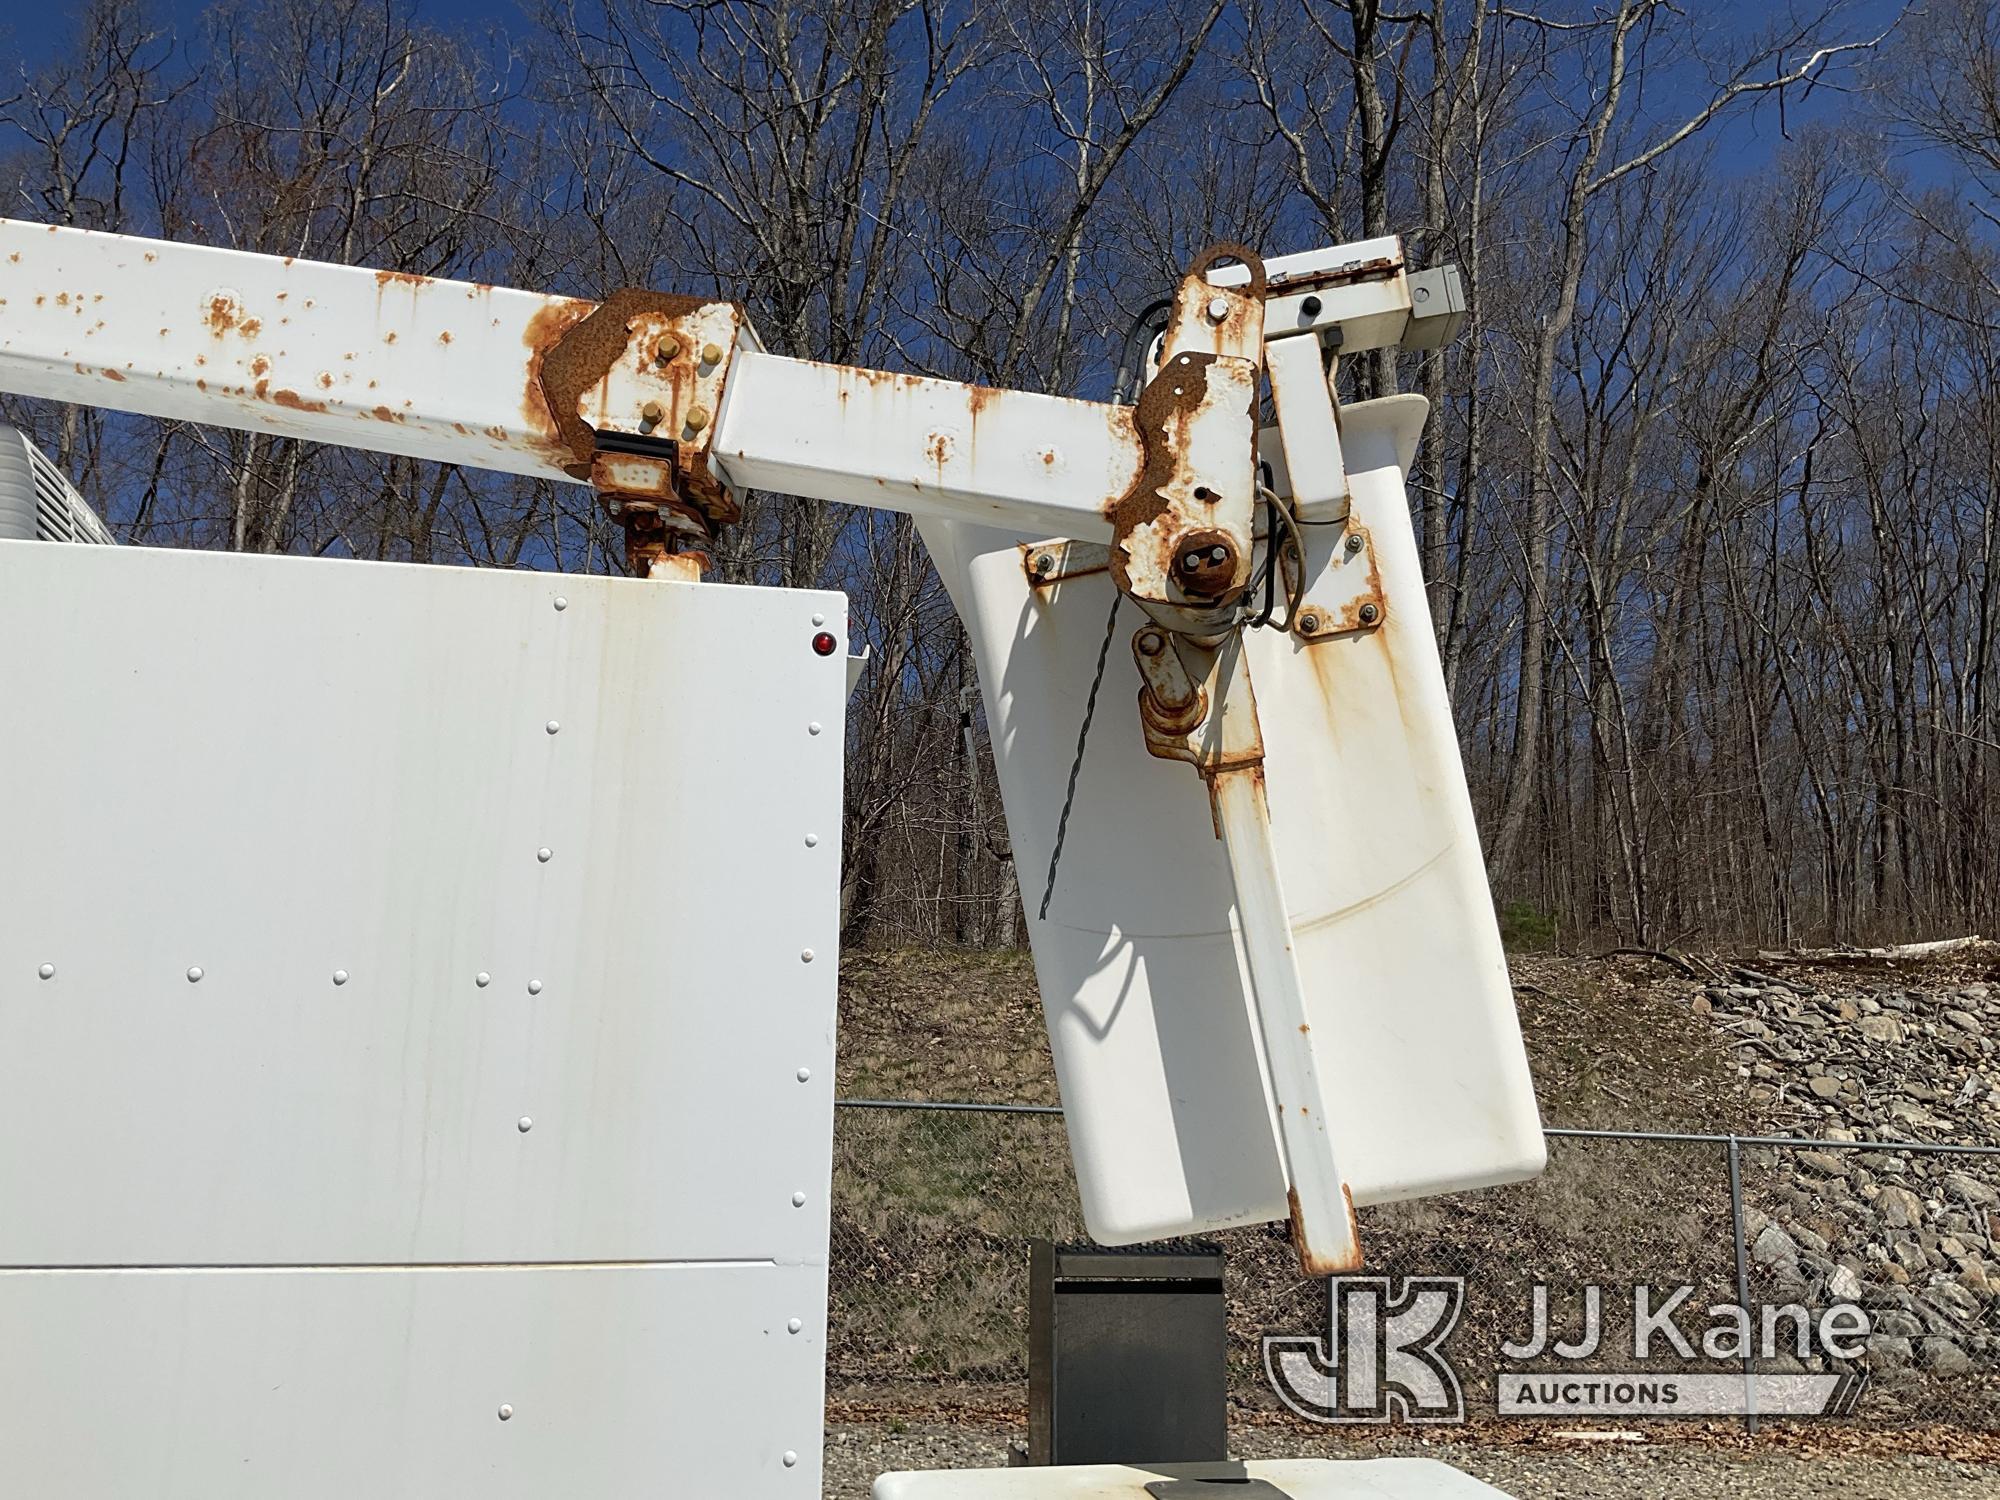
670 408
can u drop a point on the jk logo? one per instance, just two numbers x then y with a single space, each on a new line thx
1381 1358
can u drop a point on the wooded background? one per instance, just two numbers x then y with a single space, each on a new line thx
1707 502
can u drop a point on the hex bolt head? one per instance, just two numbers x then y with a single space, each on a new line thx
1045 564
697 417
711 354
1370 614
666 349
651 413
1354 544
1218 309
1308 622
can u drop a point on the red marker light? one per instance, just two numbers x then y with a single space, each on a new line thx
824 643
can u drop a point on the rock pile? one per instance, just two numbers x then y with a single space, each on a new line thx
1913 1236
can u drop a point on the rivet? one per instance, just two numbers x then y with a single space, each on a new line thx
47 971
1218 309
553 726
340 976
798 1200
194 975
545 855
1310 306
534 986
793 1325
805 955
819 619
791 1458
506 1413
561 603
482 979
813 728
805 1075
812 841
525 1124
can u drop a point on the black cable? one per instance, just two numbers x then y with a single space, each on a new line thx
1076 765
1131 365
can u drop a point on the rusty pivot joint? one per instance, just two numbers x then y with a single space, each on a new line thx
634 388
1183 532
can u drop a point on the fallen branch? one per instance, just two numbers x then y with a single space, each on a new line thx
1679 965
1890 954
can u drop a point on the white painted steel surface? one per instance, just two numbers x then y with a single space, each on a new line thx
934 448
325 789
334 354
1413 1028
1301 1478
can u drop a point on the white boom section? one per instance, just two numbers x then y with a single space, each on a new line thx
450 371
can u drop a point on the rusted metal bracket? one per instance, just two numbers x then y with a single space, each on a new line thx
1052 561
1181 532
633 389
1345 595
1195 701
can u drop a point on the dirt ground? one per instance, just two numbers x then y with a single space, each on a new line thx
1665 1467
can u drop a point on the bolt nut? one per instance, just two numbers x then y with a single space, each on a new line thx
1370 614
1353 544
666 349
651 414
697 417
1218 309
711 354
1308 623
1045 563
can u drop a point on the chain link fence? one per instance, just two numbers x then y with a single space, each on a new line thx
934 1207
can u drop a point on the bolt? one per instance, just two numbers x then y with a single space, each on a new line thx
697 417
666 349
1218 309
711 353
650 415
1353 544
1191 562
1308 622
1045 564
1370 614
1310 306
1203 492
1151 643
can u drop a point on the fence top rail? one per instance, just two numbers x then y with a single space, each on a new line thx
1683 1137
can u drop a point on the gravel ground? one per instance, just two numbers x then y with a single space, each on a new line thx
1642 1471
